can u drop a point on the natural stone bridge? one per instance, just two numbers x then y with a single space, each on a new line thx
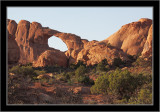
28 43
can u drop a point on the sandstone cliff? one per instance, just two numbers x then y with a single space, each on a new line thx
147 50
131 37
13 49
28 43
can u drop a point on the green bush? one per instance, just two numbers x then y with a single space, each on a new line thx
142 62
23 70
80 71
85 80
118 82
144 95
117 62
78 64
26 71
101 85
122 83
102 65
66 76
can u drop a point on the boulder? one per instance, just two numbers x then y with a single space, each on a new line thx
51 57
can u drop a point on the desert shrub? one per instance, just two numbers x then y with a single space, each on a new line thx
72 66
102 65
80 71
132 57
85 80
15 69
80 63
81 77
28 64
26 71
101 85
23 70
140 61
117 62
117 82
38 72
144 95
122 83
76 65
66 76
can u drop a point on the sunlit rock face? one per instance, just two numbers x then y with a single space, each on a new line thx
147 50
50 58
32 41
131 37
28 43
99 51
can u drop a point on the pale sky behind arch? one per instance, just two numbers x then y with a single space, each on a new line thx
92 23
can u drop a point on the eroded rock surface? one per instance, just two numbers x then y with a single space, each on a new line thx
100 51
147 50
13 49
131 37
28 43
51 57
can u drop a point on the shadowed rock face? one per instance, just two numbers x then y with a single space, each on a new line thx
28 43
13 49
131 37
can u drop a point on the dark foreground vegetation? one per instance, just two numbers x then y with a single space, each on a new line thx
118 83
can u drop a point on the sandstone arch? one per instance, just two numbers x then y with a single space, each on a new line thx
32 44
57 43
32 40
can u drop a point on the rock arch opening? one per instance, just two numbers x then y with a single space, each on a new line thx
57 43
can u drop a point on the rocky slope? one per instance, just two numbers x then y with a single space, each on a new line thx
28 43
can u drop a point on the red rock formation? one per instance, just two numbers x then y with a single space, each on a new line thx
99 51
32 40
51 57
147 50
13 49
131 37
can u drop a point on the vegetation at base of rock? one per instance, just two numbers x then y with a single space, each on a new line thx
80 71
142 62
78 64
85 80
26 71
117 62
102 65
120 83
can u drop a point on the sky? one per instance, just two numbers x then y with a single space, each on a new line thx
92 23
